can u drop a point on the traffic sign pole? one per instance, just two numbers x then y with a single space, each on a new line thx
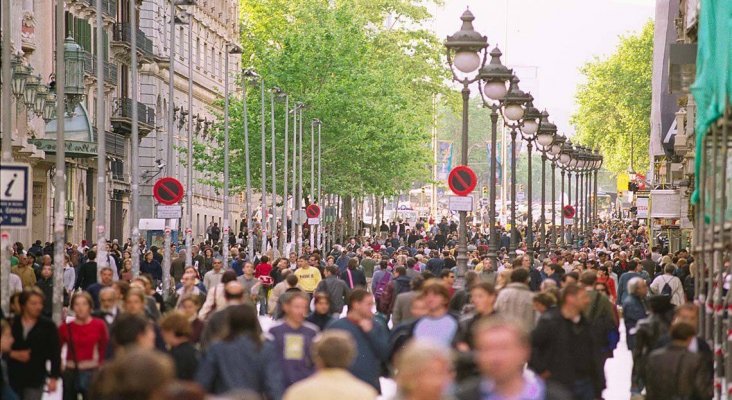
5 271
166 259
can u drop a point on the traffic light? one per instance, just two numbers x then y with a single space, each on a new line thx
485 191
632 186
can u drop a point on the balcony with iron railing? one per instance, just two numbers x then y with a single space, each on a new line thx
121 117
122 41
109 7
90 68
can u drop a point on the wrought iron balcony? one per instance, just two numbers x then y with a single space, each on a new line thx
121 118
123 34
90 68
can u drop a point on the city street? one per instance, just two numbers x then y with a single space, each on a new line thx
358 199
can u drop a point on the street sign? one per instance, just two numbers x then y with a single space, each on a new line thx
462 180
15 195
168 191
313 221
568 221
484 201
313 211
170 212
568 211
460 203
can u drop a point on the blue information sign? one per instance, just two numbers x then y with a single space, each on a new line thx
15 195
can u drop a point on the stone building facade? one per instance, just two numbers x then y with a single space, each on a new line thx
214 24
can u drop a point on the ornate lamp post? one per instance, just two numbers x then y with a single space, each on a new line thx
464 55
529 128
598 165
494 76
553 155
574 167
20 76
544 139
565 156
74 82
30 91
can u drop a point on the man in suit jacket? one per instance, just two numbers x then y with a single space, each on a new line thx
108 306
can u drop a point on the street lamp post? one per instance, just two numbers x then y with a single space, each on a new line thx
464 54
544 139
529 128
494 76
285 170
248 75
564 157
263 174
101 204
275 93
514 111
598 165
553 155
230 49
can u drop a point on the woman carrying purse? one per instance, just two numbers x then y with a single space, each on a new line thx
86 338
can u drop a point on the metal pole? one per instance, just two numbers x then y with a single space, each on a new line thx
250 237
5 97
543 248
530 223
273 223
169 159
189 161
285 170
554 212
579 211
295 205
312 178
264 170
225 249
320 201
575 219
493 232
716 277
462 257
562 241
59 207
134 147
101 214
594 208
299 186
512 247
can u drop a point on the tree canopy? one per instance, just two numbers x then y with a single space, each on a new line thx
614 105
365 68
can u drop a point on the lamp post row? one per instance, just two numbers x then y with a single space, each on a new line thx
466 57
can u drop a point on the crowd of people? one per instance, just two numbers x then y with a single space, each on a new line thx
332 325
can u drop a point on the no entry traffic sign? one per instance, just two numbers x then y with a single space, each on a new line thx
462 180
313 211
568 211
168 191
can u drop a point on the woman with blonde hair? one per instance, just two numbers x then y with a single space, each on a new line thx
423 370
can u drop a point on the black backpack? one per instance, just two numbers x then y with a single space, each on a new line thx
666 290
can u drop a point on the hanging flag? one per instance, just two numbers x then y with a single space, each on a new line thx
444 159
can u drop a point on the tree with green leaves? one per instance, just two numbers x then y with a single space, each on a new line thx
372 84
614 105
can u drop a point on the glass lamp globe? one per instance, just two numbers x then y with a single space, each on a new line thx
467 61
545 139
495 90
564 158
555 149
530 127
514 112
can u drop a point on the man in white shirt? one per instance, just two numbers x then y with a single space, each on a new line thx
674 283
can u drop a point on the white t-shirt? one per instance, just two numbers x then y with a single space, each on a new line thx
440 330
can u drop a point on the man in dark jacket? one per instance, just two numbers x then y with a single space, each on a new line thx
502 347
563 347
675 372
87 275
336 289
648 333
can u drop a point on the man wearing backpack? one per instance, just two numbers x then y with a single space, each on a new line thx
669 285
399 284
380 281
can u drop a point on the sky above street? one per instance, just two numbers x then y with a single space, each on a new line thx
547 41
